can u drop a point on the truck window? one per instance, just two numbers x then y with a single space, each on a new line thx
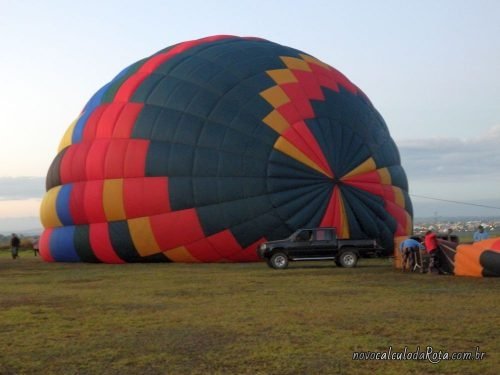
323 235
305 235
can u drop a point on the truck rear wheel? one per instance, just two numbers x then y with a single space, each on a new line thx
348 259
279 261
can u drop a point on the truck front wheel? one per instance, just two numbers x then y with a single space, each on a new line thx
348 259
279 261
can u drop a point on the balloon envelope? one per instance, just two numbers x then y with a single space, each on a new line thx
210 147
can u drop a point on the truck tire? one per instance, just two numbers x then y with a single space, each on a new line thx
348 259
337 263
279 261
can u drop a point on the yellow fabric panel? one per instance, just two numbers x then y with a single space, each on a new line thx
142 236
367 166
66 140
281 76
289 149
180 254
385 176
345 223
113 199
295 63
398 196
275 96
314 60
48 211
277 122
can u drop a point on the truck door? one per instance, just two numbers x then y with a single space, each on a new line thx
301 244
323 242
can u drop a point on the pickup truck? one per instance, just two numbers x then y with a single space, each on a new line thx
317 244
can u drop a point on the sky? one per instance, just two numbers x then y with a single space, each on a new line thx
431 68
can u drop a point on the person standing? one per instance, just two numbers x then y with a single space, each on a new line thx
14 246
35 246
431 245
480 234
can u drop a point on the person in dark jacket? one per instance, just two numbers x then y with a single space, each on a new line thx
14 246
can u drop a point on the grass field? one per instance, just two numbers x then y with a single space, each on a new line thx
238 318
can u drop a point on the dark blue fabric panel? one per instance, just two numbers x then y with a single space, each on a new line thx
63 206
206 162
54 174
205 191
122 241
82 244
181 193
188 129
144 125
62 245
212 135
231 166
398 177
181 160
251 231
146 87
157 159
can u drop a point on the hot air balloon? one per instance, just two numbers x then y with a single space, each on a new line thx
207 148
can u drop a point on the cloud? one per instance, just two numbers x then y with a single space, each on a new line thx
444 159
20 188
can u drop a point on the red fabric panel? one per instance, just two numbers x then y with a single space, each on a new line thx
95 159
90 129
101 244
299 99
333 216
128 87
134 161
332 77
78 164
313 145
496 245
66 168
177 228
290 113
115 158
44 245
77 203
107 122
376 189
309 84
125 122
94 209
146 196
224 243
400 215
248 254
204 251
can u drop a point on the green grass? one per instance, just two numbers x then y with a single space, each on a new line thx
238 318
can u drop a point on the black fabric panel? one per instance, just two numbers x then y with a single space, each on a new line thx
122 242
490 261
143 127
82 244
181 160
398 177
53 178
